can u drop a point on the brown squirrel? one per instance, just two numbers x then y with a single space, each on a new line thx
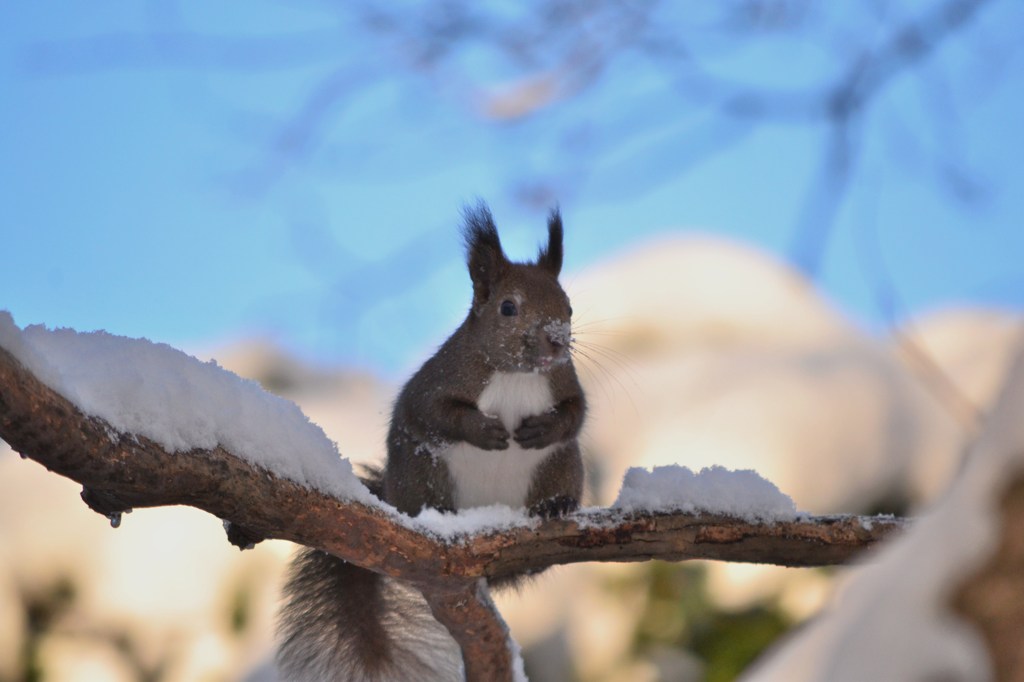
492 418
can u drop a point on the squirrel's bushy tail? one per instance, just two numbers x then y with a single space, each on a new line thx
343 622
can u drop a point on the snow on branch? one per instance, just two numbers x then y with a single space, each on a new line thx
201 436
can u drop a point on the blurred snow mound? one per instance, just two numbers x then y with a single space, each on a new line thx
704 351
679 290
894 617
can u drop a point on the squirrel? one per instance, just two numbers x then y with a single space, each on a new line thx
493 417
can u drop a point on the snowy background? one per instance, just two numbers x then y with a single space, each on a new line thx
253 189
837 419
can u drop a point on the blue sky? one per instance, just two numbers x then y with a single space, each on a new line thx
142 194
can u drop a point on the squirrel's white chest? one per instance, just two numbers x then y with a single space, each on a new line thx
485 477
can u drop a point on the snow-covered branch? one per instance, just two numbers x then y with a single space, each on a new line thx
127 470
285 493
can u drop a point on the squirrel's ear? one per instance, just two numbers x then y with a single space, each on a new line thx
550 256
486 260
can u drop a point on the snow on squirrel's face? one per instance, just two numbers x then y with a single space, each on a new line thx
525 325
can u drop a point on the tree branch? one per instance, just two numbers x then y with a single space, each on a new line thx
474 622
120 471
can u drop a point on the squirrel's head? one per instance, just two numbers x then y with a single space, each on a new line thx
520 314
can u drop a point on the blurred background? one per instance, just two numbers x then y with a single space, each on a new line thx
793 244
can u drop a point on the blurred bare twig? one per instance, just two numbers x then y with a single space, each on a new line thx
545 65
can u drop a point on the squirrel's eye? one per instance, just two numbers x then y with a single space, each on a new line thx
508 309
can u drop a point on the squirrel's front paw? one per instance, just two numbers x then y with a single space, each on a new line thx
485 432
538 431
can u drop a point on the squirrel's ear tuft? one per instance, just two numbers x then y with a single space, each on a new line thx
550 256
484 256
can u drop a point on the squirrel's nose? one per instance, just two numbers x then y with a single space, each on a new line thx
557 334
